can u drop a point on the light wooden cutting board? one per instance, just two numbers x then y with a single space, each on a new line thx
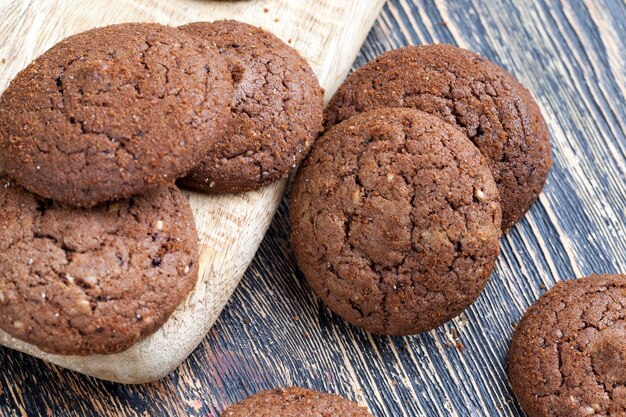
327 33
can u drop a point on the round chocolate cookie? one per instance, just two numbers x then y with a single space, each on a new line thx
276 110
113 112
568 354
82 281
295 402
488 104
396 221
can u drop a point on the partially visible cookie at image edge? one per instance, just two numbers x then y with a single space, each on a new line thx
113 112
295 402
568 353
82 281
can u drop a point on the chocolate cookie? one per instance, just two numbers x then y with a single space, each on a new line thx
395 221
295 402
113 112
81 281
276 111
488 104
568 354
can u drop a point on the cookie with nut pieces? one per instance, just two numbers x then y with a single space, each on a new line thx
276 110
465 89
395 221
82 281
568 353
113 112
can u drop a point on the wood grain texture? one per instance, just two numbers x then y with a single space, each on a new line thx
230 227
274 332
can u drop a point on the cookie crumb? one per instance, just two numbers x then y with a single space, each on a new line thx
454 333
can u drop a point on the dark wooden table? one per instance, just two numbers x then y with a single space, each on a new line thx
274 332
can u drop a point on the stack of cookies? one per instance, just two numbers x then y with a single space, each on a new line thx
431 152
97 245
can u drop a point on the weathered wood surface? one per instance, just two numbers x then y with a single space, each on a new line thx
231 227
274 332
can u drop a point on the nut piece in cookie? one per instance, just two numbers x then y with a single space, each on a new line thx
568 354
84 281
295 402
113 112
276 110
395 221
463 88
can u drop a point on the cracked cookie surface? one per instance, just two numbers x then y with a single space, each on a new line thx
488 104
83 281
395 221
568 353
276 110
295 402
113 112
